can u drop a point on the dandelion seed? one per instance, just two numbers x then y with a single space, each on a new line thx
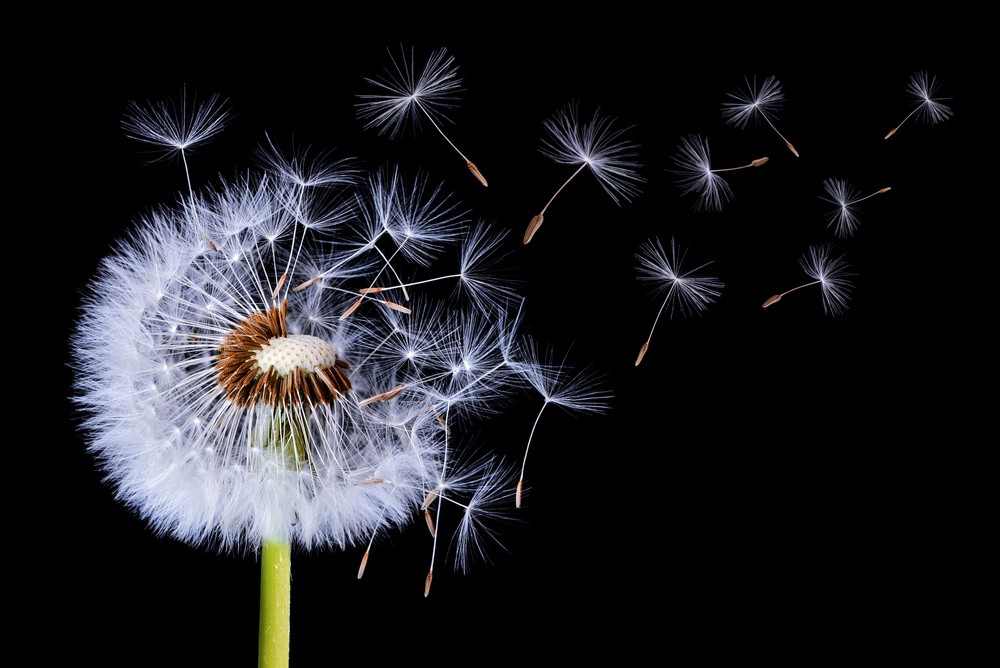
694 173
844 218
687 292
582 392
404 89
923 88
831 272
175 126
753 102
599 144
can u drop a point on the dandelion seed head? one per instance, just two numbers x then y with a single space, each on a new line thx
226 406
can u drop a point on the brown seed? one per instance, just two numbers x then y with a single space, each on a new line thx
373 481
517 495
642 353
303 286
352 309
772 300
369 291
277 288
397 307
427 583
370 400
792 148
884 190
364 562
533 226
430 521
475 172
394 392
759 161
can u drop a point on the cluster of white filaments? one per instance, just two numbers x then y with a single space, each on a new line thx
255 365
274 360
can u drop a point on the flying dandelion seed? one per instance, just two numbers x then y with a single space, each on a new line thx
687 292
599 144
408 93
829 271
231 405
175 127
923 88
752 103
844 218
581 391
694 174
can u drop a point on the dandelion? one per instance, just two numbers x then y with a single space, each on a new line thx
580 391
844 218
694 173
753 102
687 292
229 405
829 271
407 93
923 88
599 144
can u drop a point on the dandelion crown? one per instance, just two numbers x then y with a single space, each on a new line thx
249 373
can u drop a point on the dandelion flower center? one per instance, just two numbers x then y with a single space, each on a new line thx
261 363
286 354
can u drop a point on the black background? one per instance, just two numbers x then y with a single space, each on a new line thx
756 489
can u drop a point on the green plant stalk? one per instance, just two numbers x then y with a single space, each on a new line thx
275 604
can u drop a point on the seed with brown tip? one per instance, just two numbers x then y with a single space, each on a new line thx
364 563
475 172
533 226
352 309
397 307
430 521
642 353
773 300
306 284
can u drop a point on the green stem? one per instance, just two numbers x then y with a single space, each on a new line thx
275 603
